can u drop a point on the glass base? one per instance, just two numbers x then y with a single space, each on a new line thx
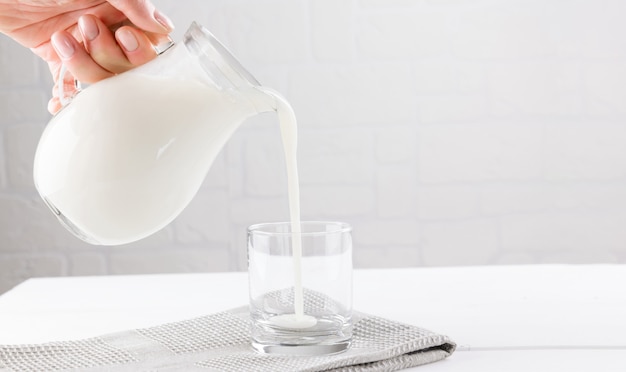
306 336
302 349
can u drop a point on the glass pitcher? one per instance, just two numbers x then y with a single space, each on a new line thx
127 154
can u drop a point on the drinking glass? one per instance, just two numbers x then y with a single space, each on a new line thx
300 287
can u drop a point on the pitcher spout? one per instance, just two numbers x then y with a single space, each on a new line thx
261 100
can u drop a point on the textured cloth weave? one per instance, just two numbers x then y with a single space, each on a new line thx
220 342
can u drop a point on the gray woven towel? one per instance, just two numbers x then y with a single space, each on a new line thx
219 342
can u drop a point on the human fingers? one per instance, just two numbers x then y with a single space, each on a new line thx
144 15
76 59
136 45
129 47
102 45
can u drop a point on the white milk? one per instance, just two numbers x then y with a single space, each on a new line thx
289 134
133 163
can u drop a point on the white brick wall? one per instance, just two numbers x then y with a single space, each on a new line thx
448 132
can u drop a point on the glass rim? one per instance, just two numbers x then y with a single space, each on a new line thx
258 229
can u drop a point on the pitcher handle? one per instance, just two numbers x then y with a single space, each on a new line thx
64 97
160 47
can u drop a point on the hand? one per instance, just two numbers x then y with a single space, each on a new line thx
116 35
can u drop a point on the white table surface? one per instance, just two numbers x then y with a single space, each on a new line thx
504 318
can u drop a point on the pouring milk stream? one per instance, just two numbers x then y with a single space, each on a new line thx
129 153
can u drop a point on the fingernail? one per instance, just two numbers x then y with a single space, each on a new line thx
163 20
54 105
62 45
127 39
88 28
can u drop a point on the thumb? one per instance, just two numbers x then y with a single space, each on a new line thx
143 14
